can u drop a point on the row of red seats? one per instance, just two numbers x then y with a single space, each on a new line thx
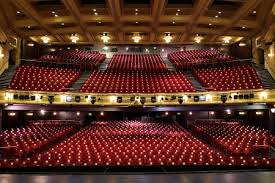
18 142
237 77
84 59
37 78
137 62
186 59
132 143
137 82
235 138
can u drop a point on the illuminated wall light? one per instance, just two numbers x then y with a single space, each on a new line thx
242 113
259 113
211 112
146 50
77 113
54 113
263 95
105 38
181 49
105 48
198 39
11 113
6 104
63 98
162 50
241 44
127 48
30 44
185 98
45 39
101 113
90 114
166 113
56 15
272 110
190 113
168 38
113 99
8 96
42 112
228 111
136 37
178 113
1 55
209 97
29 113
74 38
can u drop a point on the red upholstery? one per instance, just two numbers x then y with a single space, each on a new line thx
134 82
135 62
26 140
35 78
234 138
185 59
84 59
238 77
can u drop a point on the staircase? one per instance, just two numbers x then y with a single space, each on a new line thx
194 82
168 64
6 77
104 65
77 85
265 77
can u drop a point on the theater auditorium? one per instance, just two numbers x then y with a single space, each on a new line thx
137 91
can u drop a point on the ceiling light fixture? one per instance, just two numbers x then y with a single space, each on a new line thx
136 9
173 22
168 37
220 12
177 14
53 12
209 24
254 12
241 44
62 23
216 16
227 39
96 13
136 37
29 27
105 38
45 39
74 38
243 27
136 22
18 12
56 15
136 13
178 10
198 39
94 10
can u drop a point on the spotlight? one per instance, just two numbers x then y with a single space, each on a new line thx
153 99
180 99
223 98
77 99
142 100
51 99
93 100
119 99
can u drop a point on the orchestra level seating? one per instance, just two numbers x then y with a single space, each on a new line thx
136 62
37 78
135 82
237 77
187 59
132 143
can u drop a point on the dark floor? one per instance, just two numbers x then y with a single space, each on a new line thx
233 177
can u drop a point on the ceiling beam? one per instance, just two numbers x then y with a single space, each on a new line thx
115 8
157 8
201 6
73 8
27 8
242 12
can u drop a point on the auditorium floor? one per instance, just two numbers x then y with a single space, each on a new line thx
232 177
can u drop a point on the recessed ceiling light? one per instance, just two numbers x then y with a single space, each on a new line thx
94 9
136 22
136 9
56 15
96 13
220 12
18 12
136 13
99 22
177 14
178 10
62 24
29 27
254 12
216 16
243 27
209 24
53 12
174 22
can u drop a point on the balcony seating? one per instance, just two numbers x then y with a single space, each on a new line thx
135 62
28 139
135 82
83 59
234 138
237 77
35 78
186 59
